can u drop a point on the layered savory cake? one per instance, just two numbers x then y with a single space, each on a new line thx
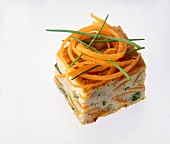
99 70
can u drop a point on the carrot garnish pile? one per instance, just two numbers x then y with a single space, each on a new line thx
97 53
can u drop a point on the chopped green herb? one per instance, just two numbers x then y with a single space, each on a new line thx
67 41
109 107
93 104
72 107
104 103
99 94
75 95
126 88
136 96
63 91
56 66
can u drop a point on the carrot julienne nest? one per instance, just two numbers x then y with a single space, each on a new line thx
99 62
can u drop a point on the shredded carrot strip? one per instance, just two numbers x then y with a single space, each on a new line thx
99 20
111 76
110 51
90 53
121 100
108 45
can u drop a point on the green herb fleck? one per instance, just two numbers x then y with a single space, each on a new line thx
136 96
63 91
126 88
93 104
134 50
75 95
109 107
56 66
72 107
104 103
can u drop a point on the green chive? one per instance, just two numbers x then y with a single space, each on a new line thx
122 70
85 71
75 95
116 65
136 96
134 50
104 103
95 36
56 66
136 39
108 40
77 58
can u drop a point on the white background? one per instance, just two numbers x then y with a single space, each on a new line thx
32 110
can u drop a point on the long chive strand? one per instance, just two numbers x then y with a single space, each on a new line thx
134 50
108 40
93 35
85 71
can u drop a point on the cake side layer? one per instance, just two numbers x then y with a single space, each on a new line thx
95 111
